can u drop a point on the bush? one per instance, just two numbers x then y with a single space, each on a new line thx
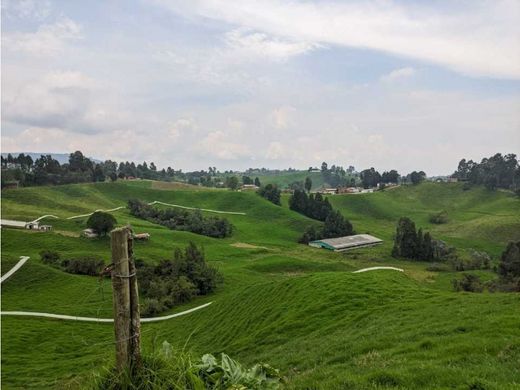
178 370
101 222
50 257
176 281
271 193
83 266
439 218
469 282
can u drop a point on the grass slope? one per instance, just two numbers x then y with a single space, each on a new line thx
296 307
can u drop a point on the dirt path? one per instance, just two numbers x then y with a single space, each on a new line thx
18 265
150 204
376 268
93 319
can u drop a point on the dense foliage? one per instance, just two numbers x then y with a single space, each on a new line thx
86 265
271 193
412 244
335 226
313 206
176 281
180 219
439 218
80 169
101 222
469 282
494 172
509 267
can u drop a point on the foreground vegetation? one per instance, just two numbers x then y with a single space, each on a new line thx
297 308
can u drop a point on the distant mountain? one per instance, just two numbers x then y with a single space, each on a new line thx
61 157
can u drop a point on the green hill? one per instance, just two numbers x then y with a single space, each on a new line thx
295 307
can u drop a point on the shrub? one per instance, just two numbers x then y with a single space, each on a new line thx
178 370
176 281
101 222
439 218
469 282
271 193
50 257
83 266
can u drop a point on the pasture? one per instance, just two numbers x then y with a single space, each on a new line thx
297 308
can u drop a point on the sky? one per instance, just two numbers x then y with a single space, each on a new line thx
406 85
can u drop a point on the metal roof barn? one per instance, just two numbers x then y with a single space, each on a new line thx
346 243
13 224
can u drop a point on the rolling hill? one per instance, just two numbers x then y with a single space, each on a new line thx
297 308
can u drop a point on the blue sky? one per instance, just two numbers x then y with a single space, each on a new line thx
390 84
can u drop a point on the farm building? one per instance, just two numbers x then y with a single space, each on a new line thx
250 187
8 223
346 243
328 191
33 225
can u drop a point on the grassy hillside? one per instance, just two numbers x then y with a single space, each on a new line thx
282 180
296 307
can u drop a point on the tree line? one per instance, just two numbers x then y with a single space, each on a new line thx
181 219
80 169
493 172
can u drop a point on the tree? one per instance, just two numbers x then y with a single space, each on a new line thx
308 184
417 177
271 193
101 222
370 178
405 239
98 174
247 180
257 182
336 226
509 266
232 182
390 177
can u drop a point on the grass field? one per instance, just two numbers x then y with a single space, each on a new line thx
297 308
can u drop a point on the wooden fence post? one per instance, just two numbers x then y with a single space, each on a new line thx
126 301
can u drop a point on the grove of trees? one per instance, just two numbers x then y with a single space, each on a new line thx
181 219
412 244
494 172
176 281
271 193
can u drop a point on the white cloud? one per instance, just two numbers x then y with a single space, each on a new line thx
275 151
397 74
218 145
48 39
477 38
180 127
26 9
253 45
283 117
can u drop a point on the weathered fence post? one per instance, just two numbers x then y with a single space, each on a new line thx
126 301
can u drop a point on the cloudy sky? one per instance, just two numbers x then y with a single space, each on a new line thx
236 84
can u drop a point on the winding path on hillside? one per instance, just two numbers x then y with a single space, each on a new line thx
377 268
94 319
149 204
18 265
110 320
